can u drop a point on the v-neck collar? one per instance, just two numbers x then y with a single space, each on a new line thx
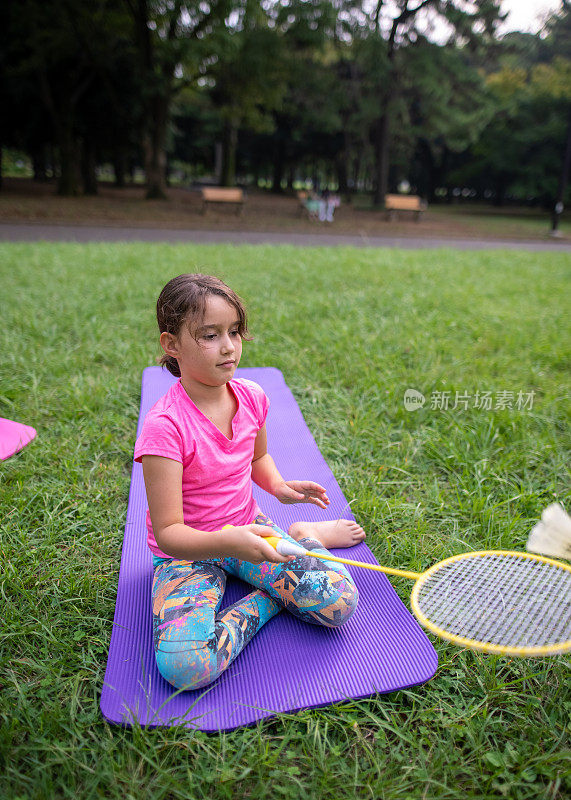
209 424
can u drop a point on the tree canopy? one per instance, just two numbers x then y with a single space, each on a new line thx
356 94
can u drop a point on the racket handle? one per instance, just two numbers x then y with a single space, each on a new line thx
285 547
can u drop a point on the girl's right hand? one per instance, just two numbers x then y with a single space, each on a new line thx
246 543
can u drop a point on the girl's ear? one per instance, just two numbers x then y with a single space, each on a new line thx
169 343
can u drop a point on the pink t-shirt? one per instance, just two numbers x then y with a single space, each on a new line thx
216 475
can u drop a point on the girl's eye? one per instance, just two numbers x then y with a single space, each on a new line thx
235 333
209 336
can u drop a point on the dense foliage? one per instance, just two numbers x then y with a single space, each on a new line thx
360 95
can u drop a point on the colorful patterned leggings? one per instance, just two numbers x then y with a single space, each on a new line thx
195 641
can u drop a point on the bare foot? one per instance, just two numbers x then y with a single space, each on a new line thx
334 533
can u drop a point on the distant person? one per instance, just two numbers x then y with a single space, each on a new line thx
313 205
328 204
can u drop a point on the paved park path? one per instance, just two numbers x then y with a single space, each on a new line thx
33 232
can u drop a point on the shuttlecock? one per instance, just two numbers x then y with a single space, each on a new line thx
552 535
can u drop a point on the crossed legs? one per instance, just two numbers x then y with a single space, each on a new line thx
195 641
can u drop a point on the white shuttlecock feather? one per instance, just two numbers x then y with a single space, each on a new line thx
552 535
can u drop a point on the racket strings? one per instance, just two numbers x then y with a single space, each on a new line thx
499 599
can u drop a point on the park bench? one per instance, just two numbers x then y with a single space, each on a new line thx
215 194
404 202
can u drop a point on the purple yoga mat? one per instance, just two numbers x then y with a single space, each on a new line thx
288 665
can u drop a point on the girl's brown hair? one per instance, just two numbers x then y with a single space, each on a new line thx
183 299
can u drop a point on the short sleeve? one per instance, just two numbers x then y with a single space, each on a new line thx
263 407
160 437
258 400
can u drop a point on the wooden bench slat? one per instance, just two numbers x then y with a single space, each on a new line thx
222 195
404 202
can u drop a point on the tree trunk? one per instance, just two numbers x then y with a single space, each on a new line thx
88 166
356 172
558 205
167 171
278 167
154 169
154 149
51 162
440 172
218 150
381 148
229 146
39 164
434 169
382 128
500 191
63 121
342 163
119 167
69 158
344 166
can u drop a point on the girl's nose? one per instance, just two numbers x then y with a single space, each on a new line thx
227 344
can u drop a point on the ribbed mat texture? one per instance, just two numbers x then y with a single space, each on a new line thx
288 665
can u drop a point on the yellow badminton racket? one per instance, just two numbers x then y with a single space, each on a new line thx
497 601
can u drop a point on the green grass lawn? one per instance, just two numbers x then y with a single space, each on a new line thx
351 330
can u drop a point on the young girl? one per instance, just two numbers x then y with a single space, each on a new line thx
201 446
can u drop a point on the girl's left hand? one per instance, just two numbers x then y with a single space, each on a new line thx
302 492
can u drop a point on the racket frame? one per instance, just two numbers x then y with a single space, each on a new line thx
474 644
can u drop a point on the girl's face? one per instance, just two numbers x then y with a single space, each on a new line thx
210 352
